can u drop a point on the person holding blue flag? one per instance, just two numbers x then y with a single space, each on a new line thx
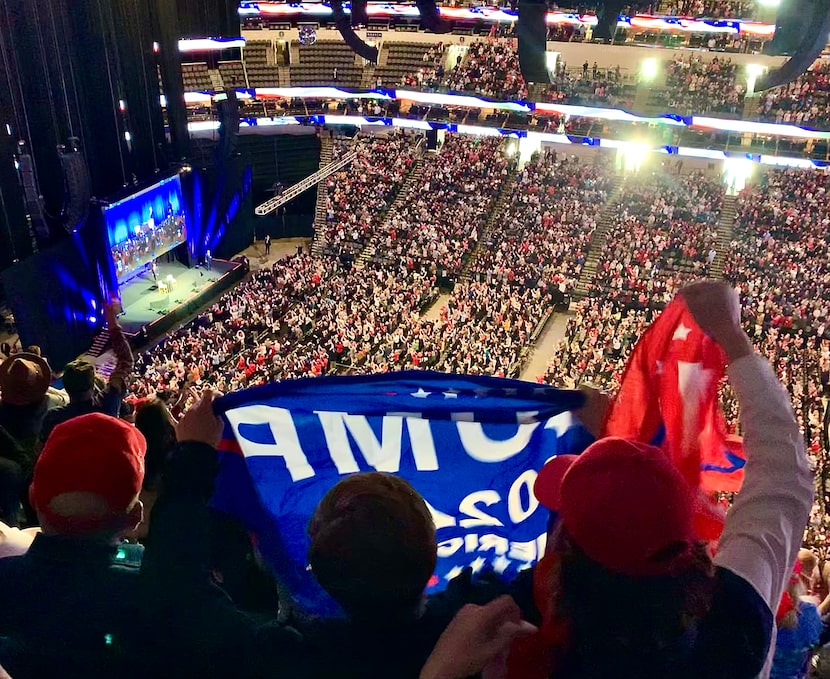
373 549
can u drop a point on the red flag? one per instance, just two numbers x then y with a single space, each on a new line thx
669 397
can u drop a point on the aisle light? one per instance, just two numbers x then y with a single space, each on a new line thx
649 69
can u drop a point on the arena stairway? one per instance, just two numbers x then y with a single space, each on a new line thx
326 153
407 190
726 223
100 343
496 213
597 242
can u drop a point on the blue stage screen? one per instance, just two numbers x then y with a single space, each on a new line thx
145 226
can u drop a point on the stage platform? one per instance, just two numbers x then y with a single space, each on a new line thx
147 307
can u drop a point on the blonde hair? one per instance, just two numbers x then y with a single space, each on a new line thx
795 589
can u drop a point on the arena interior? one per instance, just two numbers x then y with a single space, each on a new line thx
202 196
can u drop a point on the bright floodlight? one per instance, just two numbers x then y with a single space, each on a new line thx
649 69
769 3
633 155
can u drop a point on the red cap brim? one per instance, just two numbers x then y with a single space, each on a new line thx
548 484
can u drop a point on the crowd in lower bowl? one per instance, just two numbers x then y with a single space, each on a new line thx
199 605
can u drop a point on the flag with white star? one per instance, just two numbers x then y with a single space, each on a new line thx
470 445
669 397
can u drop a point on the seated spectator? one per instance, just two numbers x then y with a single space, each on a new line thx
66 608
86 392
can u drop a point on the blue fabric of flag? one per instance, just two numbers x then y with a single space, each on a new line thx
472 447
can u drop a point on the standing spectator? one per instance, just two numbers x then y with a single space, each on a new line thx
799 628
87 394
66 608
267 243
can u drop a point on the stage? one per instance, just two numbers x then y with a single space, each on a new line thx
146 306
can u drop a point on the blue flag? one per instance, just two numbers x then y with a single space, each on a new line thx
471 446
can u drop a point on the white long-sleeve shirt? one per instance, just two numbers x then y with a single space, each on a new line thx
765 526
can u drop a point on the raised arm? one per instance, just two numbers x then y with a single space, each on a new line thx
765 525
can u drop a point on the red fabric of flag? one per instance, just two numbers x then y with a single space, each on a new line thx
669 397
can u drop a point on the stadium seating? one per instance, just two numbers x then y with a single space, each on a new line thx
327 62
233 74
262 71
196 77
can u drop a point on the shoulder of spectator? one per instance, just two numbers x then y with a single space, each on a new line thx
192 467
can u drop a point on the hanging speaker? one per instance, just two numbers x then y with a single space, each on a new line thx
360 17
228 110
532 32
801 29
31 194
344 26
76 186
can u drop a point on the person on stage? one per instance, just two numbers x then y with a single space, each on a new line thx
154 269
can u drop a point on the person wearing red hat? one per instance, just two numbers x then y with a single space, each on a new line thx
66 605
627 588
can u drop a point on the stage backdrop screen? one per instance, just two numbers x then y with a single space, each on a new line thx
145 226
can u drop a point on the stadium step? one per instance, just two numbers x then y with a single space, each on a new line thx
495 214
285 76
216 80
598 238
326 155
294 52
726 223
407 190
367 80
100 343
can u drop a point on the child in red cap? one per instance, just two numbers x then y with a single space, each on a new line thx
67 607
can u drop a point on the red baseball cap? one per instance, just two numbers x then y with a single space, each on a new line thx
92 453
549 481
624 504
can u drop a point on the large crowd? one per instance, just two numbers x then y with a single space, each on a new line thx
488 68
310 315
441 218
541 236
663 232
804 101
694 85
358 196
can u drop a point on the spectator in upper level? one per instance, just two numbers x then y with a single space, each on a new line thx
633 592
373 548
87 392
66 608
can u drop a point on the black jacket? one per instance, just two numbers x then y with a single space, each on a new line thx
203 633
67 610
